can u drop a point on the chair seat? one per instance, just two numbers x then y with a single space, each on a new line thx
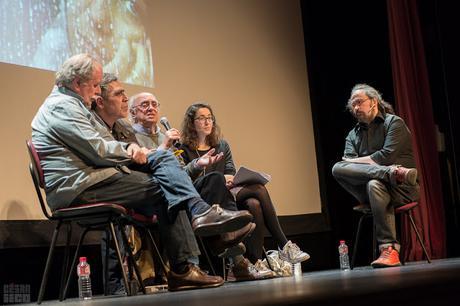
405 208
147 220
366 209
89 209
363 208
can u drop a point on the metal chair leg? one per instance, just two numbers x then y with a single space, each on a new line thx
132 260
224 269
65 264
157 251
374 241
399 237
207 256
266 257
419 238
74 262
120 259
357 236
106 262
48 263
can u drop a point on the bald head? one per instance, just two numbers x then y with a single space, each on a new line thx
144 109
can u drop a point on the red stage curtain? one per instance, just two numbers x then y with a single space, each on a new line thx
414 105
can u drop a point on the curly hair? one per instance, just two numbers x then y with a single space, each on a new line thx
189 135
372 93
78 66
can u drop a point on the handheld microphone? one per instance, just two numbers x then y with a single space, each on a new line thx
164 121
370 109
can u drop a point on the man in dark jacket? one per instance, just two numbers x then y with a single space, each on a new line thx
378 166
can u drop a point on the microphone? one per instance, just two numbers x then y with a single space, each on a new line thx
164 121
370 109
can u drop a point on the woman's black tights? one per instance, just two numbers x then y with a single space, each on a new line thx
256 199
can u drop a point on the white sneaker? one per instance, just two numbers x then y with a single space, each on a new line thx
280 267
292 253
263 269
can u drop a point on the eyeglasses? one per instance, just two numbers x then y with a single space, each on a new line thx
203 119
146 104
357 102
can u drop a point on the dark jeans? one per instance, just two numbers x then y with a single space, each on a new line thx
160 188
177 236
373 185
166 171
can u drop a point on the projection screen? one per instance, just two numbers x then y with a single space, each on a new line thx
244 57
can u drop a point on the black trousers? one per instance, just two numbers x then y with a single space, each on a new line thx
213 190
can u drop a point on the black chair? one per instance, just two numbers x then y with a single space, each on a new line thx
98 216
366 212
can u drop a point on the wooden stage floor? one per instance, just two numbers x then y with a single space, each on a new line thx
416 283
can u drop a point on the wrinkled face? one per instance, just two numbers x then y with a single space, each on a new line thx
88 89
362 106
116 103
146 110
203 121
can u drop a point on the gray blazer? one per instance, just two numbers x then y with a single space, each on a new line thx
75 150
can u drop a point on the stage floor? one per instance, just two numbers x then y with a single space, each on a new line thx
416 283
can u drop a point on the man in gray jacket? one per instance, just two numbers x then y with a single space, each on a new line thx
83 163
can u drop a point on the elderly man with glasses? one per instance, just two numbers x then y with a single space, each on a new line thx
378 166
144 109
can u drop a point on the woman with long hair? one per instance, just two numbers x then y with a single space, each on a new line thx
201 133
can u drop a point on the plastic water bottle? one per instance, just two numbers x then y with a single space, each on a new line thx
297 270
343 256
84 281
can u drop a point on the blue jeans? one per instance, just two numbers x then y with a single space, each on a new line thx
174 182
372 184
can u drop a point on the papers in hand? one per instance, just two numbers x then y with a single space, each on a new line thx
245 176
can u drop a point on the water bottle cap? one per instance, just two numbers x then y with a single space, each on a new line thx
82 259
342 241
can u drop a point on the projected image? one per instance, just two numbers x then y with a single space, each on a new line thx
44 33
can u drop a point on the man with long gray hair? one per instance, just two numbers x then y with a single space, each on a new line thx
378 166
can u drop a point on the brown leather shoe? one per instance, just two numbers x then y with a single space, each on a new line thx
218 244
194 278
217 220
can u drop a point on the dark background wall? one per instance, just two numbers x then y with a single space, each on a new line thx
347 43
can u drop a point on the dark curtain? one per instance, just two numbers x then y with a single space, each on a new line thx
414 105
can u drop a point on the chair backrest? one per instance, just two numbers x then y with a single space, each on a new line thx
38 178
